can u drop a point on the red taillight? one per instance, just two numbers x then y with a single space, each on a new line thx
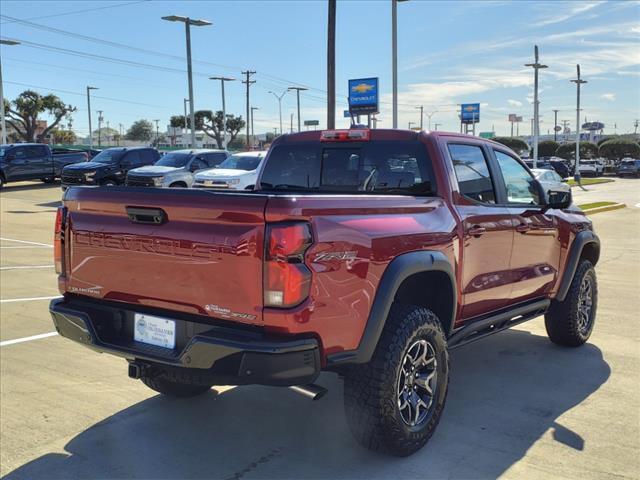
286 278
58 238
356 135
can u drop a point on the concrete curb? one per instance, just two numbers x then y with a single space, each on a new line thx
606 208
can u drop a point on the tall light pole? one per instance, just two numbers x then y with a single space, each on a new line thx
331 65
429 115
157 132
100 127
421 108
298 89
186 100
253 135
187 26
3 125
279 97
555 125
536 130
224 108
394 58
89 110
578 81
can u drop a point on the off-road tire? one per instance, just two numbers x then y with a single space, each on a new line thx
371 390
562 321
172 387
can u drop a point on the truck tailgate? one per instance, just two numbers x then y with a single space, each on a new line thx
204 257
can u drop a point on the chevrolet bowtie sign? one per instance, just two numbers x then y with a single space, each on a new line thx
363 95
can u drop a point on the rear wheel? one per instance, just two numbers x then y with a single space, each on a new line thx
178 185
394 402
570 322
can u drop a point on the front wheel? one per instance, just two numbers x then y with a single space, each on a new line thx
394 403
570 322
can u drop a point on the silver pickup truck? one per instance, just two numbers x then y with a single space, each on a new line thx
175 169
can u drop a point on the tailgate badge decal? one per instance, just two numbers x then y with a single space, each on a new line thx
225 312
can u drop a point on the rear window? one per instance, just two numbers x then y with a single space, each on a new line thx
374 167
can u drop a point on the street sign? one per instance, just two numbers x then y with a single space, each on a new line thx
512 117
518 119
487 134
311 123
470 112
363 95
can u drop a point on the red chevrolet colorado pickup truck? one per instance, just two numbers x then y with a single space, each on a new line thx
369 253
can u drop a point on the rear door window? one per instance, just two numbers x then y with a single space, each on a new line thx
376 167
472 172
215 159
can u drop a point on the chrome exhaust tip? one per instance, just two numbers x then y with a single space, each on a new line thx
311 391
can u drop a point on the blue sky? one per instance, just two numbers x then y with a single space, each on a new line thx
449 53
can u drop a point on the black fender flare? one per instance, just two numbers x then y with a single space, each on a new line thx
581 240
398 270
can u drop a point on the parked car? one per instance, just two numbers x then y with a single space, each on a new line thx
593 168
109 167
175 169
550 180
561 167
628 166
367 253
540 164
238 172
34 161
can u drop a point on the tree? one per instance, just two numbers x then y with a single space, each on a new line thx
63 136
618 148
141 130
23 112
516 144
568 150
547 148
212 124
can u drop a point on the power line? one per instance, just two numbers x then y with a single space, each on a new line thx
73 12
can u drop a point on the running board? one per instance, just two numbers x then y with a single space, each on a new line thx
482 327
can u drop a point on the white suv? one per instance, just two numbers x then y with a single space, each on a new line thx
237 172
591 167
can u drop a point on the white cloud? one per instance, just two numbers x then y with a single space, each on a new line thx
610 97
564 12
514 103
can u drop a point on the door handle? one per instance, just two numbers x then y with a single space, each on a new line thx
523 228
476 231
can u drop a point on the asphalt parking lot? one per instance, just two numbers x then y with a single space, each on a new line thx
518 406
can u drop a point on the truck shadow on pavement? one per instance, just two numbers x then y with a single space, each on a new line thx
505 393
21 187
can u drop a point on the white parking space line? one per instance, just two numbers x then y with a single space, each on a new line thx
27 339
21 267
26 246
25 242
31 299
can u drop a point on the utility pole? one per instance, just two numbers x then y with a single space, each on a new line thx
253 133
578 81
120 131
331 65
157 132
224 108
291 127
555 125
3 124
635 127
421 108
279 97
89 110
536 130
99 127
248 83
298 89
108 137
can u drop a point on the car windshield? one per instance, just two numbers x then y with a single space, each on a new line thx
241 162
174 159
107 156
630 162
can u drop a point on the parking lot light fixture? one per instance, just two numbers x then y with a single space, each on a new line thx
279 97
187 26
298 89
224 109
536 126
4 127
578 81
89 113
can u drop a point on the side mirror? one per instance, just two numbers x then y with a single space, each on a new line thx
558 199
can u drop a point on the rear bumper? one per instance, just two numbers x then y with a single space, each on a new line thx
223 354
